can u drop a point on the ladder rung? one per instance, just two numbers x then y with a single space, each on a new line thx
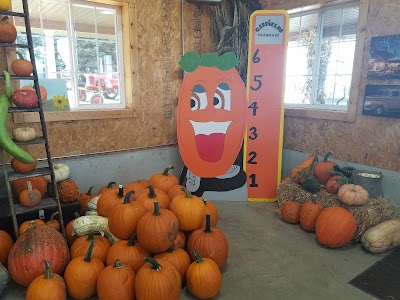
17 109
37 172
14 45
11 13
44 203
19 77
38 140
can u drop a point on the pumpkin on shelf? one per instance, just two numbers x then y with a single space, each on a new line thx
290 211
38 183
178 257
124 217
146 198
42 90
175 190
335 182
203 277
352 194
323 168
44 243
138 186
84 198
157 230
30 197
210 242
180 241
53 223
309 213
28 224
129 252
22 168
61 173
82 244
47 286
6 243
67 191
109 199
24 134
116 282
382 237
212 210
164 181
110 186
304 169
68 231
8 32
21 66
335 227
158 280
4 278
82 273
189 210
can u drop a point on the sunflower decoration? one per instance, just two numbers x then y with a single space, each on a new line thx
59 102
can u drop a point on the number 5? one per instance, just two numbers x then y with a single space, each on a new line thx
259 83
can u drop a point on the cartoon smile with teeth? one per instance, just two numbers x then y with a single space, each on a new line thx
211 114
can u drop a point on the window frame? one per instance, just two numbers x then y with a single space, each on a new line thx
339 114
131 77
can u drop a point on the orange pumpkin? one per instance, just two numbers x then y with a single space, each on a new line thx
180 241
335 227
335 182
42 89
309 213
38 183
68 231
82 244
8 32
84 199
164 181
68 191
52 222
211 210
6 243
290 211
110 186
175 190
21 66
137 186
178 257
109 199
146 198
20 167
30 197
322 169
28 224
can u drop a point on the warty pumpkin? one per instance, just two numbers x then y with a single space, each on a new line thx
82 273
38 183
323 168
382 237
6 243
178 257
203 277
309 213
146 198
68 191
82 244
158 280
290 211
352 194
109 199
28 224
116 282
304 169
164 181
24 134
84 198
53 223
23 168
110 186
30 197
47 286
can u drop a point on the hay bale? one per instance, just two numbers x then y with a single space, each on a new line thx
375 211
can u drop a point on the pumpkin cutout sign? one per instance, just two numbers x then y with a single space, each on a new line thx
211 113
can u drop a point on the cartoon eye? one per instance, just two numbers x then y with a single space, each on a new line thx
222 97
194 102
198 100
219 100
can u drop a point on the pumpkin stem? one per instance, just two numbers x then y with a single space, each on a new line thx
29 184
187 192
128 197
53 215
20 55
5 18
156 209
155 266
111 184
165 173
152 194
171 250
48 274
88 257
327 156
205 201
117 265
89 192
197 256
208 224
120 191
92 234
131 241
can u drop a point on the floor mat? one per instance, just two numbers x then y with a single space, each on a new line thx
382 279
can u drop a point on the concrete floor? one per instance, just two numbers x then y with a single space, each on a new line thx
269 259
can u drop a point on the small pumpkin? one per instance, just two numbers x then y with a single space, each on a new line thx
82 244
84 198
382 237
352 194
53 223
110 186
6 243
146 198
116 282
24 134
175 190
8 32
47 286
21 167
290 211
212 210
158 280
157 230
304 169
42 89
309 213
323 168
334 183
4 278
38 183
30 197
61 173
203 277
335 227
178 257
21 66
68 191
164 181
68 231
180 241
137 186
109 199
28 224
82 273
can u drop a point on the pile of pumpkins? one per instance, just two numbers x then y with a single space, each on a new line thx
144 240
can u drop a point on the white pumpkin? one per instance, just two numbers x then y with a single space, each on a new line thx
24 134
4 278
352 194
61 172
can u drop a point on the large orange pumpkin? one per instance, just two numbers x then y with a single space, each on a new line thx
6 243
211 210
164 181
322 169
110 186
32 248
178 257
180 241
335 227
137 186
28 224
212 110
146 198
82 244
108 200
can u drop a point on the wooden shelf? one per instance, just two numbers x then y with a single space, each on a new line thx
38 140
37 172
12 45
17 109
16 77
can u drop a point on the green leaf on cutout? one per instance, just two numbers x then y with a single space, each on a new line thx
209 59
190 61
227 61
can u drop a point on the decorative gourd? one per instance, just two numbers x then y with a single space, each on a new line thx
309 183
30 197
68 231
334 183
6 243
116 282
309 213
137 186
180 241
81 275
22 168
68 191
42 89
21 66
352 194
146 198
8 32
92 204
43 243
175 190
209 242
5 4
110 186
82 244
53 223
47 286
189 210
61 173
382 237
4 278
84 198
211 210
158 280
28 224
335 227
178 257
124 218
323 168
164 181
203 278
38 183
157 230
130 253
108 200
304 169
290 211
24 134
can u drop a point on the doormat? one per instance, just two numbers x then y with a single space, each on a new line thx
382 279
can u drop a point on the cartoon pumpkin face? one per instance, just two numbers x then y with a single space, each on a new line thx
211 117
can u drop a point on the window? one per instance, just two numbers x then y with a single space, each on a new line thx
320 57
